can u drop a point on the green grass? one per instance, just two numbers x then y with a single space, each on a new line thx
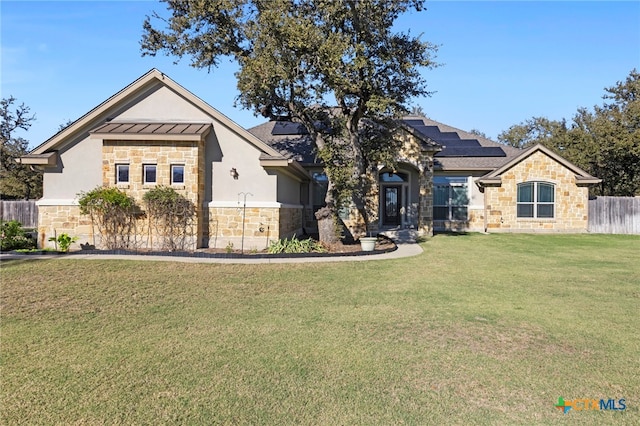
479 329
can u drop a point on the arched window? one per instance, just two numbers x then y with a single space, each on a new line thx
536 200
394 177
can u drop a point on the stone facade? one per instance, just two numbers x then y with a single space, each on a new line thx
412 153
59 219
261 226
215 227
571 208
411 157
163 154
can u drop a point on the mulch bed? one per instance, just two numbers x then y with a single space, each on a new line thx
383 245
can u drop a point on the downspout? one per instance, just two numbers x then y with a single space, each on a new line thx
483 189
484 202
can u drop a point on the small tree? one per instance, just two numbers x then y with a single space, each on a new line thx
16 180
114 213
172 216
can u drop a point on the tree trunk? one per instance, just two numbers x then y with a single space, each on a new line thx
361 183
327 230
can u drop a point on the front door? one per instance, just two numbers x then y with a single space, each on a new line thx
392 204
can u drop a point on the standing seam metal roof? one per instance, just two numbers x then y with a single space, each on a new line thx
138 128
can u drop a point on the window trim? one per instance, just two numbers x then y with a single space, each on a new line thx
123 182
535 204
144 174
173 182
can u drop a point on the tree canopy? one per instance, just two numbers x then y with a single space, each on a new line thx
17 181
604 142
337 67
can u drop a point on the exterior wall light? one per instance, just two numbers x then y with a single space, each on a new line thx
234 173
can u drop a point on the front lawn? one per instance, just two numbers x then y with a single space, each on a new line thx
479 329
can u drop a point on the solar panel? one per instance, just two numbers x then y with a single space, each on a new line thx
414 123
288 128
461 143
433 132
485 151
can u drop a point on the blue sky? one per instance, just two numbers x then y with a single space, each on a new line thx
502 62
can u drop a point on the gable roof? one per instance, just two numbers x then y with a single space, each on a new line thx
153 77
582 177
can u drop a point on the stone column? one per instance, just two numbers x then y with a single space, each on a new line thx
425 206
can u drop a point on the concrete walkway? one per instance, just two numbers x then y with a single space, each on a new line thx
407 247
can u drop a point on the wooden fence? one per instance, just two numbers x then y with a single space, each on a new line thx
614 215
25 212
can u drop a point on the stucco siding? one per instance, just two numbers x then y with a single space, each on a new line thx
79 169
163 104
288 190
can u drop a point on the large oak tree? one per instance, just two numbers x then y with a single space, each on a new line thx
336 66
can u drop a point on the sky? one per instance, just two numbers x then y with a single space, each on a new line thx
500 62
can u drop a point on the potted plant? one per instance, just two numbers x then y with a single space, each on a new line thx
368 243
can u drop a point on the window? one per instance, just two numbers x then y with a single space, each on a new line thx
149 173
177 174
122 173
450 198
394 177
536 200
320 186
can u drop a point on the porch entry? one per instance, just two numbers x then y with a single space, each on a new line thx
392 203
394 195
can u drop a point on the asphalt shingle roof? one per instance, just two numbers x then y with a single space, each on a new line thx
461 150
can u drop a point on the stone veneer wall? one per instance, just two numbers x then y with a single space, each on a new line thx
67 218
475 223
425 207
571 200
163 154
261 225
55 220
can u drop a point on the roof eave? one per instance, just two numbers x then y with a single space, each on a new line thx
49 159
287 166
587 181
148 137
489 181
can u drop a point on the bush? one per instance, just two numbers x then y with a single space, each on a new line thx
14 237
113 212
63 241
294 245
172 216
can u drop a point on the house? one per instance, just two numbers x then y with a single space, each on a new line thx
451 180
261 184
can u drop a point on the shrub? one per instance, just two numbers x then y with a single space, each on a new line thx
63 241
294 245
14 237
172 215
113 212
